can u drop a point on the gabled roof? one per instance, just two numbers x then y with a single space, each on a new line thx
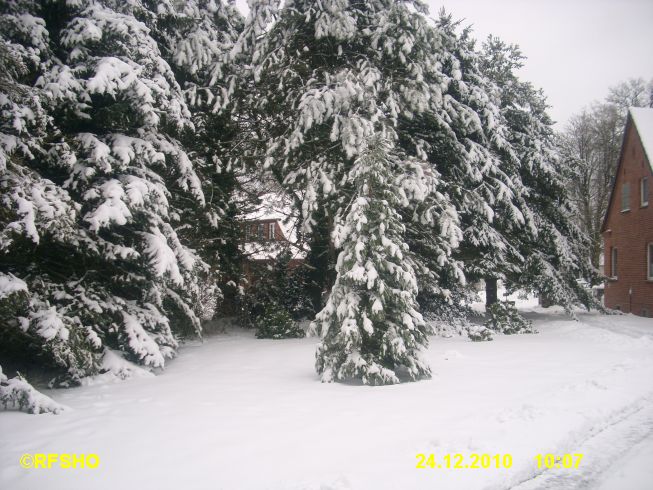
277 207
641 119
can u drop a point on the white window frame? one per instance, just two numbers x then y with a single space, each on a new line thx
649 261
260 231
643 183
614 262
272 231
625 197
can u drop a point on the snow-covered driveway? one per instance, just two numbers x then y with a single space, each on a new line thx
236 412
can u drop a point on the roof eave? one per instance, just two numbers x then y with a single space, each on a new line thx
629 124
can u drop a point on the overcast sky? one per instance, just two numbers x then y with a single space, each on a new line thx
576 49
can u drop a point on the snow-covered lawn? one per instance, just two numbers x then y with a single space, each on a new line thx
235 412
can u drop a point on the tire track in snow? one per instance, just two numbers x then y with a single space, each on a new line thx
601 450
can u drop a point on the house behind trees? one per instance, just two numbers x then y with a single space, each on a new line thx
267 232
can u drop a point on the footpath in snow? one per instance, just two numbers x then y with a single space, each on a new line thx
235 412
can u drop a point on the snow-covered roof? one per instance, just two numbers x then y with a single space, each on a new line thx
277 206
274 206
643 120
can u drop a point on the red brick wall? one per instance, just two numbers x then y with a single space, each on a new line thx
630 232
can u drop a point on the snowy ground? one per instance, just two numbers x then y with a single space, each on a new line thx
236 412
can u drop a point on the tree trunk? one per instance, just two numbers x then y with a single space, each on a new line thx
545 301
318 261
491 294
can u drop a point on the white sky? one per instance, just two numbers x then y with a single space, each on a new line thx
576 49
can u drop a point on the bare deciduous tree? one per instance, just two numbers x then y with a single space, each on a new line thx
590 144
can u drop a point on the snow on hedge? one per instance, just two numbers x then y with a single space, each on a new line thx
16 393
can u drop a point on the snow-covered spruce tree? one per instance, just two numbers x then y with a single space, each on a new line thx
195 37
370 327
476 162
89 220
32 206
455 125
326 76
552 251
324 73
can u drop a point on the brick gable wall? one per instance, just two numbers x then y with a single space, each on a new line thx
250 229
630 232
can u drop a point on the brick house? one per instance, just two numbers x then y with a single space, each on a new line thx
628 225
267 232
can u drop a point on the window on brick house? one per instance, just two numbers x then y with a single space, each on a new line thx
260 231
649 262
613 262
643 192
273 231
625 197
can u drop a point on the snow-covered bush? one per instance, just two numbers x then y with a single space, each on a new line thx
479 333
276 323
459 326
276 283
17 394
503 317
